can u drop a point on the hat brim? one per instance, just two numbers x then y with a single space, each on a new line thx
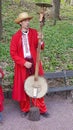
18 20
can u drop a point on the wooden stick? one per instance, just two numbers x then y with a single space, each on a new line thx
39 47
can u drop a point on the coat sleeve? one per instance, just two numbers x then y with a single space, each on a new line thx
14 54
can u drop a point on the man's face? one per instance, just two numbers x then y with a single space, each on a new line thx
25 24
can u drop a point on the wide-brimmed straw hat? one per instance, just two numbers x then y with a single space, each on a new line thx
22 16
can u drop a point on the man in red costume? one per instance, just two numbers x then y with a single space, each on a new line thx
23 50
1 96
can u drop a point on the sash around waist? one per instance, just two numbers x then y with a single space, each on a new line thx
29 59
31 70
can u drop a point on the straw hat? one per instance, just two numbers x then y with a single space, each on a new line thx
22 16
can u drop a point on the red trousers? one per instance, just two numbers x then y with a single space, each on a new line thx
1 99
25 105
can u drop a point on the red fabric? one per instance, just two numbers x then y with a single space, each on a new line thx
1 93
25 105
16 52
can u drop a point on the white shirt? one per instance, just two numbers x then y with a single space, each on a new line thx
25 43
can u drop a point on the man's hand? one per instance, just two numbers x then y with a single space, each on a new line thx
28 64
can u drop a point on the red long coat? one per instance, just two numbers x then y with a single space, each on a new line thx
1 92
16 52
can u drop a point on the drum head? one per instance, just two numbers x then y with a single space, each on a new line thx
36 88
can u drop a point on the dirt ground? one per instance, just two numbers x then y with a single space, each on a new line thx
59 108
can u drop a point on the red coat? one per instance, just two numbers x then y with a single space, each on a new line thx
16 52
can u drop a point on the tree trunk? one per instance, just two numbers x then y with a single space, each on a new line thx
56 4
56 8
71 2
12 2
0 19
21 2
